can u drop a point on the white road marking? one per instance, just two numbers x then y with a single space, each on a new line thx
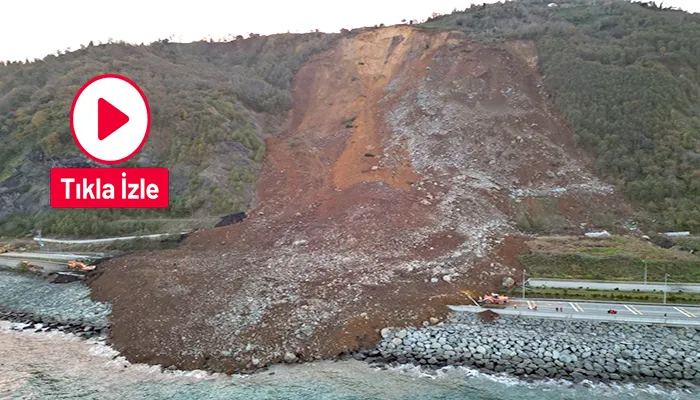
683 312
574 307
687 312
630 310
579 307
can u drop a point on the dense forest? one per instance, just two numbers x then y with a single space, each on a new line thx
207 99
627 76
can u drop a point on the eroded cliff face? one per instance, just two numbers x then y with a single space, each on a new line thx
393 185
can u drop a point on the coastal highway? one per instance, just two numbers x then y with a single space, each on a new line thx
574 309
630 309
47 266
612 285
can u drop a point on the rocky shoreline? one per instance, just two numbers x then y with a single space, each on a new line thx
34 323
534 348
528 348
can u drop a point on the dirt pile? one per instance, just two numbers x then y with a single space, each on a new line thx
391 187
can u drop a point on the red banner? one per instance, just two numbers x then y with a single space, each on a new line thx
109 187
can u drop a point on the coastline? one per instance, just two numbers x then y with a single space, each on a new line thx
534 348
37 365
526 348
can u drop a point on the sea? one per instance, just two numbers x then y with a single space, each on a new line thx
56 365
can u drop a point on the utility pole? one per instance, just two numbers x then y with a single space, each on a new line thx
665 287
645 273
523 283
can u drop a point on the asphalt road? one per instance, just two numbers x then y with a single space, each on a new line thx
631 312
47 266
53 256
602 285
631 309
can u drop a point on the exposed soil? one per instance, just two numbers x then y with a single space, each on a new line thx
400 164
487 316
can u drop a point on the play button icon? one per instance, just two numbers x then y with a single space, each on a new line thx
110 119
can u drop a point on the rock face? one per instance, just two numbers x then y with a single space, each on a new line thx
543 348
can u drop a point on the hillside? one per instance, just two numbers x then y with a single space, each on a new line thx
383 170
210 104
627 77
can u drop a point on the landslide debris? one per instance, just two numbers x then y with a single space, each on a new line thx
388 189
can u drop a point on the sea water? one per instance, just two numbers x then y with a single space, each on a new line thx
55 365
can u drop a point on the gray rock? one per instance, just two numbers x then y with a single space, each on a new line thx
290 357
359 356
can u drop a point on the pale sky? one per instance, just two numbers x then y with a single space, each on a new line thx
34 28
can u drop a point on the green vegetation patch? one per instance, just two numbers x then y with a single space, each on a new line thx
205 100
691 242
608 267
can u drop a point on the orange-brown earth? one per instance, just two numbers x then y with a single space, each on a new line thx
392 186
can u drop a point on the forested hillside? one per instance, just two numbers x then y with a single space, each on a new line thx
209 103
627 76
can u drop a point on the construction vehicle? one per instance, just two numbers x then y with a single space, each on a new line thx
31 267
80 266
494 300
6 248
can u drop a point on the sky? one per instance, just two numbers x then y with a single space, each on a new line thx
34 28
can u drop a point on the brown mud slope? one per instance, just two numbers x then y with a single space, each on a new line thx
403 161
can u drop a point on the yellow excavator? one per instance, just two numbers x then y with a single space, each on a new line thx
6 248
494 300
80 266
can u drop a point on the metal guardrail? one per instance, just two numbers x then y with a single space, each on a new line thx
612 285
106 240
586 317
610 281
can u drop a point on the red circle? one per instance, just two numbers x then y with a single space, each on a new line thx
148 113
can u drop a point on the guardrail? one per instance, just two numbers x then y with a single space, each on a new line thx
106 240
612 285
582 316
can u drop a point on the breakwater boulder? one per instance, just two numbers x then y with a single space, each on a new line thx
547 348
